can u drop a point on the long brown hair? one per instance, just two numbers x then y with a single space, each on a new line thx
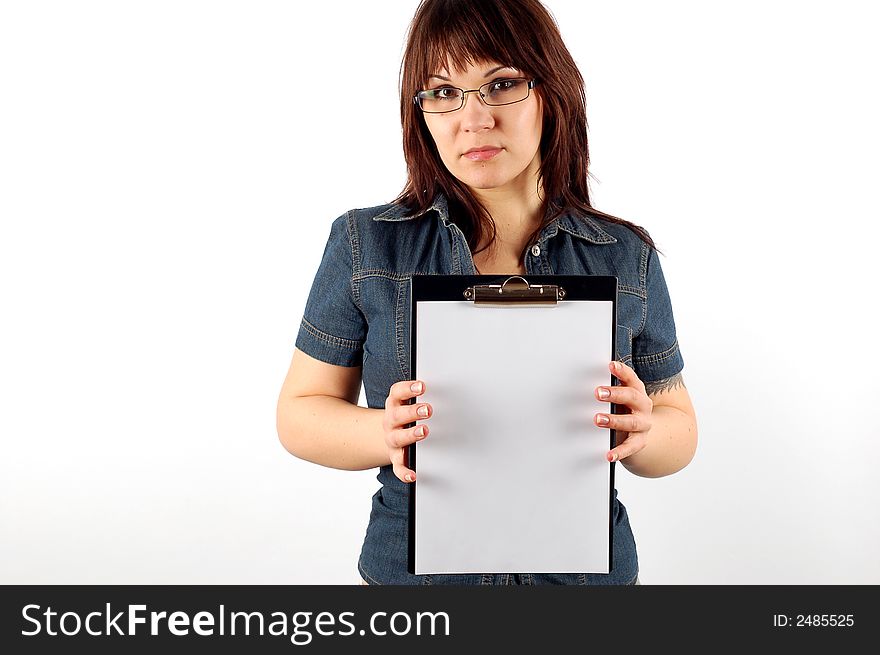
517 33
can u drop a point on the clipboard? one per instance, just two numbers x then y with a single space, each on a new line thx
512 476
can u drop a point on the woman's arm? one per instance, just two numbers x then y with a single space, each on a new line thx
318 418
672 440
658 434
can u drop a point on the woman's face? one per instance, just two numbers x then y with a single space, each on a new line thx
512 131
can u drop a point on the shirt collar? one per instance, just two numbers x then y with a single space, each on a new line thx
571 221
397 212
580 225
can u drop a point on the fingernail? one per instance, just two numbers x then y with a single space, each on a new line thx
423 411
602 420
613 457
408 477
416 387
615 365
604 393
420 431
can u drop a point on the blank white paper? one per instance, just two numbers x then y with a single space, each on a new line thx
512 476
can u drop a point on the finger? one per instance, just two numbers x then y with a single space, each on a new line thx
624 396
633 444
402 391
411 389
401 466
410 413
397 456
407 436
623 422
405 474
625 374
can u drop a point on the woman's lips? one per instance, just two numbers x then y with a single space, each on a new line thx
482 155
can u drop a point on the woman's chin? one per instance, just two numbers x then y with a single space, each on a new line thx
484 181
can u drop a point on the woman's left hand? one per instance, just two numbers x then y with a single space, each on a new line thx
632 427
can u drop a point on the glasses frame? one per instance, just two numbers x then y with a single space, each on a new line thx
532 83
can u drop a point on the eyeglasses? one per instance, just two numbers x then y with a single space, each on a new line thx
494 94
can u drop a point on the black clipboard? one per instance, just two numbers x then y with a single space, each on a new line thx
508 292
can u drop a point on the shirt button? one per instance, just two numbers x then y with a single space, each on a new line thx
536 250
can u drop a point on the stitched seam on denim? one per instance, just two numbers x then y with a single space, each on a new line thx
355 247
658 357
527 578
427 580
633 581
632 291
582 578
599 240
599 228
380 272
643 283
367 576
552 233
545 262
398 329
339 342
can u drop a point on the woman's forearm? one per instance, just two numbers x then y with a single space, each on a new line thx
332 432
671 444
335 433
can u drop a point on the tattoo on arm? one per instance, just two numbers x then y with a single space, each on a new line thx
668 384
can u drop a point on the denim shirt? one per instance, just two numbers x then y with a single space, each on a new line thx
358 314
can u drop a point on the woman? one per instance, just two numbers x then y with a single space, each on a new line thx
495 140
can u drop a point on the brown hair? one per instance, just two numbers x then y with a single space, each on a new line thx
517 33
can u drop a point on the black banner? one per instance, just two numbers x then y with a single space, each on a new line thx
279 619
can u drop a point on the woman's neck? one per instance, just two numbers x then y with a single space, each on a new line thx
516 216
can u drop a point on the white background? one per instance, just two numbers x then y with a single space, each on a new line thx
168 175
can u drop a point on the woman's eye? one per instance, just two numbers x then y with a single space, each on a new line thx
445 93
502 85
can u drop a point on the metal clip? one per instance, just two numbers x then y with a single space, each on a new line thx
515 289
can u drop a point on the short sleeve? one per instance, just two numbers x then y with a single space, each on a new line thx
333 328
656 355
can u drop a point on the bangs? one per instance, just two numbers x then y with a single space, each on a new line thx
466 33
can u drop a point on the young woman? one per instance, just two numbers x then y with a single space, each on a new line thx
495 141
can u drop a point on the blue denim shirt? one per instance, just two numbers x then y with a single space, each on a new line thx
358 314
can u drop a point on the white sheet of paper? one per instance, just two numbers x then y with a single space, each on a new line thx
513 477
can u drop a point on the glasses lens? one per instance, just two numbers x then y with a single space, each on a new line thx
503 92
440 100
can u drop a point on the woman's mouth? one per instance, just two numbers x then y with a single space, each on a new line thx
482 154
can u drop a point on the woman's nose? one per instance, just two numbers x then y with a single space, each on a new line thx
476 115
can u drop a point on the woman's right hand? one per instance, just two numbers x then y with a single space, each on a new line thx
397 414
